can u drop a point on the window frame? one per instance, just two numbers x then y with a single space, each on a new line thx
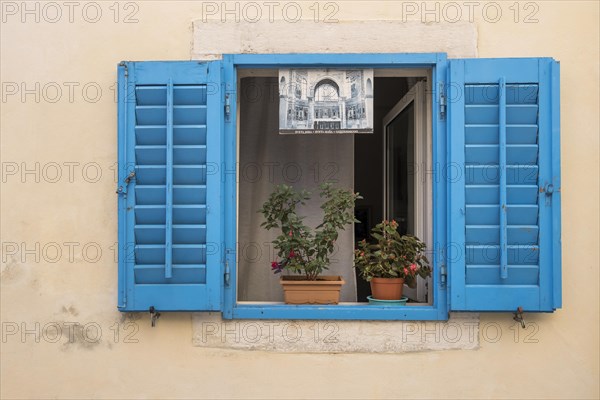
438 309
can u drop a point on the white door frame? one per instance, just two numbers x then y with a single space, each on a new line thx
423 172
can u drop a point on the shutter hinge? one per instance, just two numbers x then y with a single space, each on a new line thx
443 275
226 275
442 101
227 107
126 70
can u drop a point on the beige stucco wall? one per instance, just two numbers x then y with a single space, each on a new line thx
559 360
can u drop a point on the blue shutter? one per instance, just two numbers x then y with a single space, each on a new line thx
170 193
504 203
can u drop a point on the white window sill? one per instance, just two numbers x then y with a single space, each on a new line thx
461 331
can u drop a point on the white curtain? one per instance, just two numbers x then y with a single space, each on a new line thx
303 161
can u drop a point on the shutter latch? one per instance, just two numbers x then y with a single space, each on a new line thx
122 189
519 317
549 189
154 315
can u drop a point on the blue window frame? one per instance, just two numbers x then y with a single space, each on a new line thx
177 223
438 310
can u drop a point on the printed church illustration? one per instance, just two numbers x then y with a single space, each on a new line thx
325 101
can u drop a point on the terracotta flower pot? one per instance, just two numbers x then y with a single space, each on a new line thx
387 288
325 290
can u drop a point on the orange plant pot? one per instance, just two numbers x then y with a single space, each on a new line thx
387 288
325 290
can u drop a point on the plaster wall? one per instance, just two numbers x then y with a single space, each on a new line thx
59 226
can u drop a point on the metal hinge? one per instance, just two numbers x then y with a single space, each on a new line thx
125 67
443 275
442 101
226 275
227 107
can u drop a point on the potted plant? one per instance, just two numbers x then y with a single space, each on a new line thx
391 261
305 251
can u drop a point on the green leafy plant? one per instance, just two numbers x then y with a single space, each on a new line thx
301 249
392 255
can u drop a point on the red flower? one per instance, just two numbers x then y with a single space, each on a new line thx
274 265
292 254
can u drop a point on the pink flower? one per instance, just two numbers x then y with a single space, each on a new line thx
413 267
276 267
405 271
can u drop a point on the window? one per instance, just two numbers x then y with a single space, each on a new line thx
267 158
488 195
